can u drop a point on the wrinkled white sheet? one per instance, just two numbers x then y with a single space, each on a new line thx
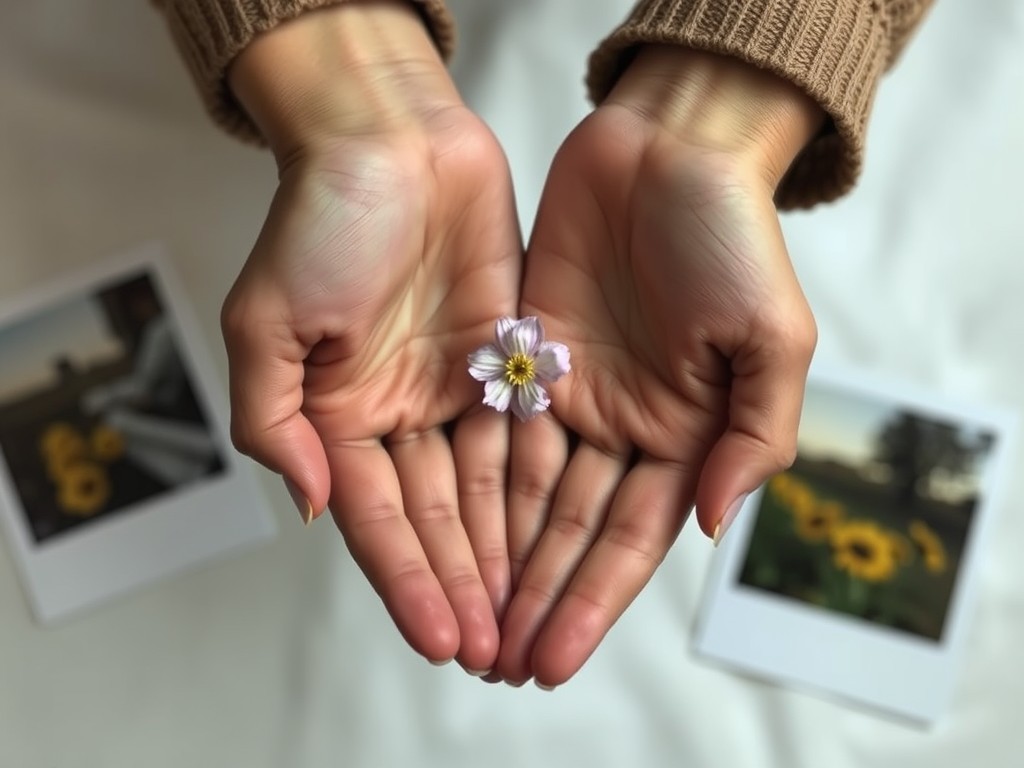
284 657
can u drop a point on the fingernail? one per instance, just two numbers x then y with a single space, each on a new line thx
727 518
478 672
440 663
301 502
543 687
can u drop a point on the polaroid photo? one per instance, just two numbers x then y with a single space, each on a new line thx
853 572
115 470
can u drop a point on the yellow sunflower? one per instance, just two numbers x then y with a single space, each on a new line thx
863 549
929 545
83 489
57 437
801 500
816 524
67 452
107 443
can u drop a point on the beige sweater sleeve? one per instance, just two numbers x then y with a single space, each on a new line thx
210 33
835 50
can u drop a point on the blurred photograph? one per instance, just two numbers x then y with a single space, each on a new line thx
854 572
873 518
98 410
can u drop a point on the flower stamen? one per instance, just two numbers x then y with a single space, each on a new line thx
519 370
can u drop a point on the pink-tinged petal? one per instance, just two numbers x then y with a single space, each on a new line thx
530 399
552 362
503 334
526 337
487 363
498 394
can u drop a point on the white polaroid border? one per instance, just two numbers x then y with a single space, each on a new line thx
799 645
160 536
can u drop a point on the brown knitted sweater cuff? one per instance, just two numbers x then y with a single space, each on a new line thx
210 33
835 50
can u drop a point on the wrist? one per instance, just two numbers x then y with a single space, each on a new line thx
720 104
357 68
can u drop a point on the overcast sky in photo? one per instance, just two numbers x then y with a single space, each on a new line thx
29 347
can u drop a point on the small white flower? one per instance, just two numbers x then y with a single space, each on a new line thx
516 366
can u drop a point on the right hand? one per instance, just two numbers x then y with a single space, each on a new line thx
658 258
389 249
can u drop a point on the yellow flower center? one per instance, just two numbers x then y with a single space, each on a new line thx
519 370
862 550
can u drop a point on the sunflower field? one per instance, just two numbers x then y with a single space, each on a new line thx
854 550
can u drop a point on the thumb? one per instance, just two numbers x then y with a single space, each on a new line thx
764 414
266 370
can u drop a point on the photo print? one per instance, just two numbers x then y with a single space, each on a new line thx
873 517
853 572
98 410
115 467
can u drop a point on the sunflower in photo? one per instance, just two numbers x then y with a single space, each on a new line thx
67 452
60 444
107 443
57 437
863 549
929 546
817 523
780 485
801 500
83 489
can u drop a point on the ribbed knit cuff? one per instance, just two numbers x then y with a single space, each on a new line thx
835 50
210 33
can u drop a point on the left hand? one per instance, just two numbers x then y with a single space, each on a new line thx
389 247
657 257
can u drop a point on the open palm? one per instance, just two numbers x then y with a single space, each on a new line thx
663 268
383 261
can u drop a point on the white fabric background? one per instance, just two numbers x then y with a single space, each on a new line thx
284 657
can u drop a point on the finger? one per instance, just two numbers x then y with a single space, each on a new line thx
581 505
540 450
426 472
647 514
480 446
366 502
266 370
764 414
